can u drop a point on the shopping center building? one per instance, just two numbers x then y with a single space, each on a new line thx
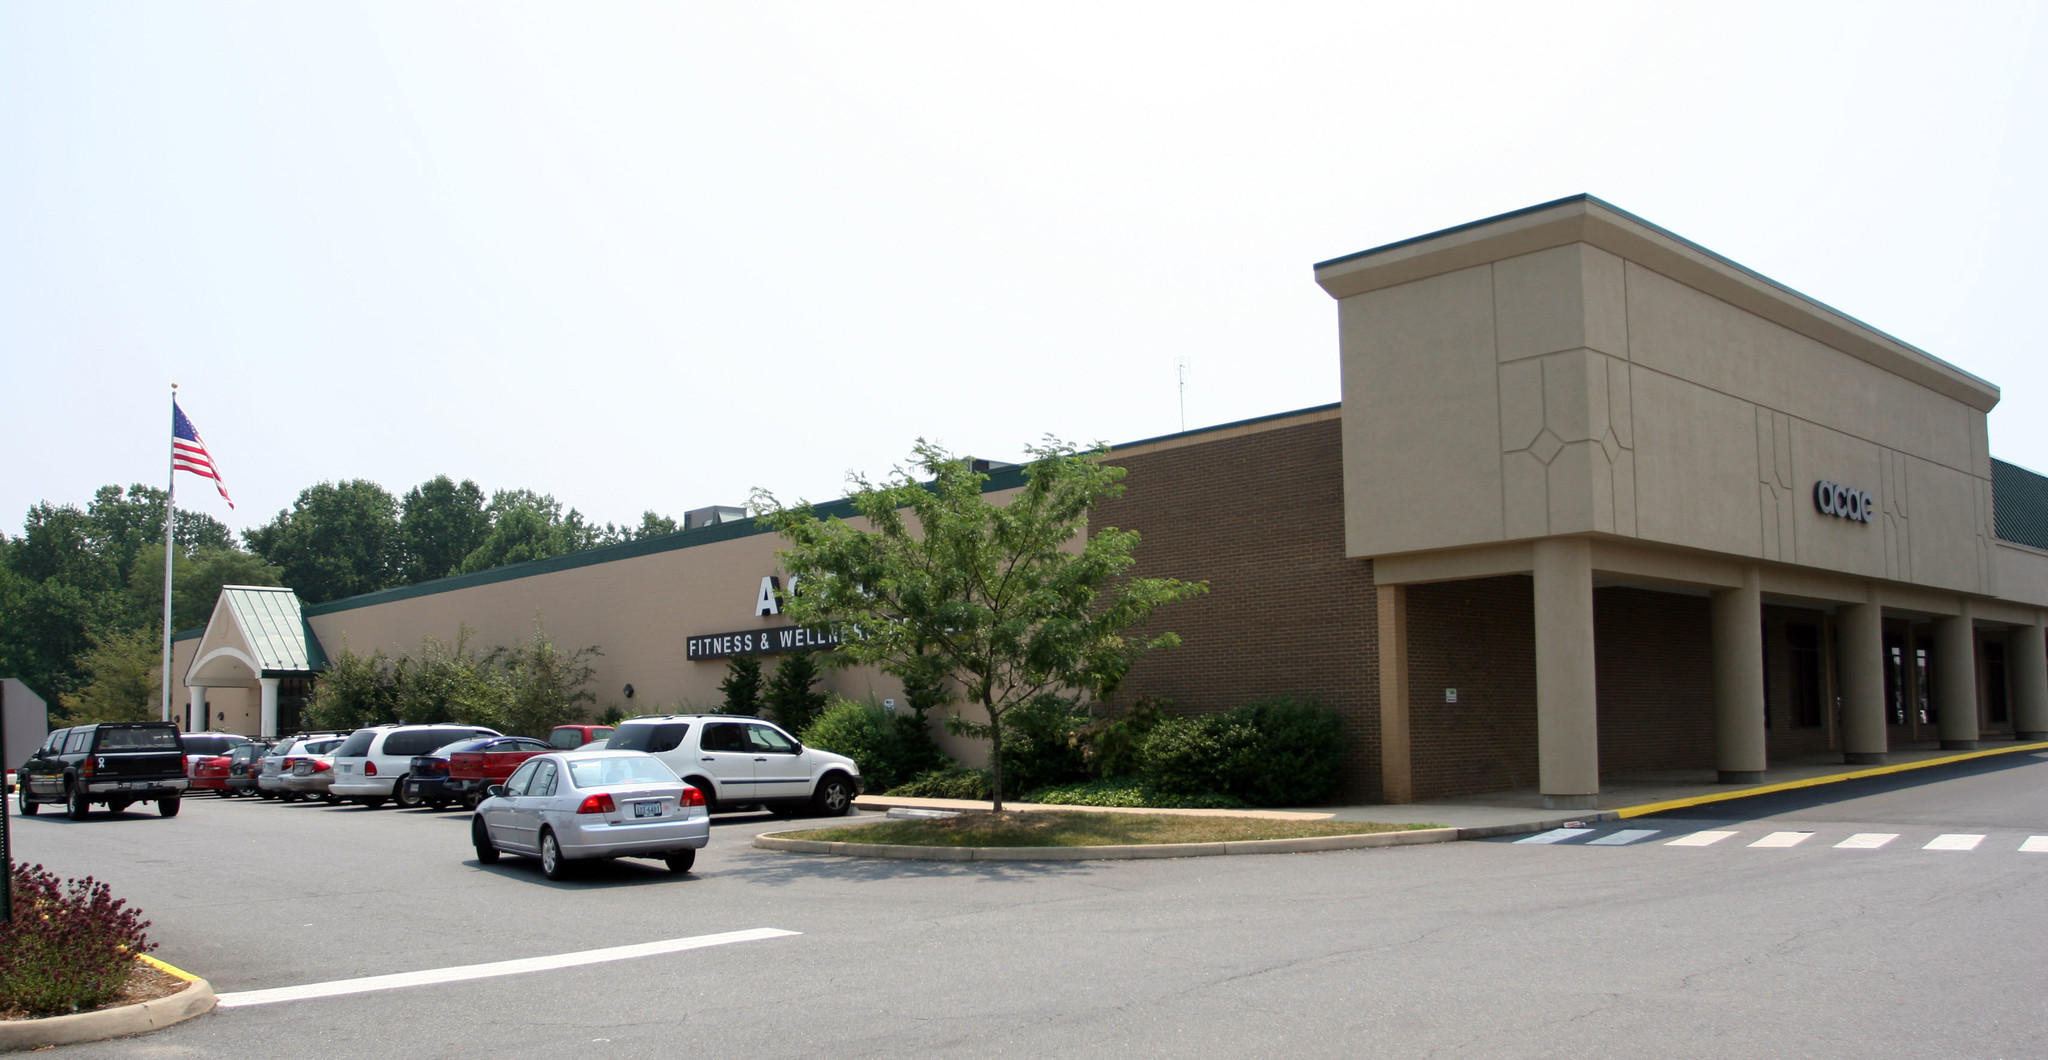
1596 502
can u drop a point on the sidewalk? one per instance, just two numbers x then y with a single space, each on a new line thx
1521 810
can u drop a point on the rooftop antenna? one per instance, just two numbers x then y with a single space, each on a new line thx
1182 365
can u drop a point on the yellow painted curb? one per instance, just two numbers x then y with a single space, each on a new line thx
196 999
1814 782
167 969
1120 852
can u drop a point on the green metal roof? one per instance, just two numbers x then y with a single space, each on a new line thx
276 629
2019 504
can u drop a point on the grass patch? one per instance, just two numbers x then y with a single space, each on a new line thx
1055 828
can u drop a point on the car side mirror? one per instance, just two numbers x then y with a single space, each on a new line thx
495 790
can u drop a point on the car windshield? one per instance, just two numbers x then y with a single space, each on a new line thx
593 772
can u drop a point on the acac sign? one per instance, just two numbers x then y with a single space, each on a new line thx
1844 502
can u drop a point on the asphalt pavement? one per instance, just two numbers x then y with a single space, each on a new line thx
1498 948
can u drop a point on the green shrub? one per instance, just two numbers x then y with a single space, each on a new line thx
1125 792
742 685
890 748
1042 745
792 696
950 782
1299 753
70 945
1112 744
1277 752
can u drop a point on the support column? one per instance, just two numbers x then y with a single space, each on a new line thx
2029 652
1861 642
1739 706
1397 783
1567 718
1955 680
195 709
269 705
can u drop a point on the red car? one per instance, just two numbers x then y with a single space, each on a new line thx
208 773
479 764
570 737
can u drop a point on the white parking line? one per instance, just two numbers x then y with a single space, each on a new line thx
2035 844
1555 835
240 999
1623 837
1954 841
1866 840
1699 839
1780 840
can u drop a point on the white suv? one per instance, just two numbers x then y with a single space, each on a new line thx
370 766
736 761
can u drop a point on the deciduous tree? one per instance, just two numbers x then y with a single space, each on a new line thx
1010 600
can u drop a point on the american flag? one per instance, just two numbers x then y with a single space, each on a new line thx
188 453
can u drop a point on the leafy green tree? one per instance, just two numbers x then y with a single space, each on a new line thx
527 526
337 540
549 686
440 523
742 685
792 695
123 684
195 581
1010 600
354 691
447 682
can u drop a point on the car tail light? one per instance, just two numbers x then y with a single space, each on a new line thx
691 797
320 767
88 766
599 803
369 769
286 765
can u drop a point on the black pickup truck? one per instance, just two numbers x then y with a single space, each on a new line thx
113 763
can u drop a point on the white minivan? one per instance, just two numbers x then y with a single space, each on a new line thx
737 761
370 766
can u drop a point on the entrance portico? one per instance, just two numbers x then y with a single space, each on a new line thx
256 646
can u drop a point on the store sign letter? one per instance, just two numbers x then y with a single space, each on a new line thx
1844 502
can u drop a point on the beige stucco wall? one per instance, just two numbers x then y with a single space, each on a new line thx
1499 389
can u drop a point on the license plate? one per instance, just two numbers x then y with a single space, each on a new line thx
647 809
346 768
129 785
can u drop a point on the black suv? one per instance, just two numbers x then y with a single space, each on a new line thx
113 763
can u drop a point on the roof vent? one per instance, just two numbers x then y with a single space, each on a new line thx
697 518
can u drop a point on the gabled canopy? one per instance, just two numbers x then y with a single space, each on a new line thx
256 631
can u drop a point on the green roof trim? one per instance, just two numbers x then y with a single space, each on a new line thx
2019 505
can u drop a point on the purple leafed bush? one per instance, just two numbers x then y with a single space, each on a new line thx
70 946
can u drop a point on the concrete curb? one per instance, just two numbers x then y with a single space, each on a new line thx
140 1018
1302 845
1814 782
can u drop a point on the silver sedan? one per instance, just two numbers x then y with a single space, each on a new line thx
572 806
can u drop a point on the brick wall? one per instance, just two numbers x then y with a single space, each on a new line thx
1260 517
1653 660
1478 637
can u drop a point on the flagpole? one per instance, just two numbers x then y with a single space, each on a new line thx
170 516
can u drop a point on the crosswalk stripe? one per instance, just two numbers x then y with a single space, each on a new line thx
1866 840
1555 835
1779 840
1699 839
1954 841
2035 844
1623 837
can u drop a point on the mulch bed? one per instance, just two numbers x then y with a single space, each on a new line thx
146 983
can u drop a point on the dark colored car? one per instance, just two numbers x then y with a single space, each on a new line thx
118 764
475 766
244 763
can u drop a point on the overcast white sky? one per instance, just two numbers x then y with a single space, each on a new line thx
653 255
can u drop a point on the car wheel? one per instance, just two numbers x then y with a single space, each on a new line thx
480 837
400 797
834 797
29 806
471 800
679 861
289 796
76 803
710 793
551 860
168 807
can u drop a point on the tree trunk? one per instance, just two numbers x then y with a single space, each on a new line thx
995 755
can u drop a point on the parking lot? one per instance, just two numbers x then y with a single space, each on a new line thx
1471 948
